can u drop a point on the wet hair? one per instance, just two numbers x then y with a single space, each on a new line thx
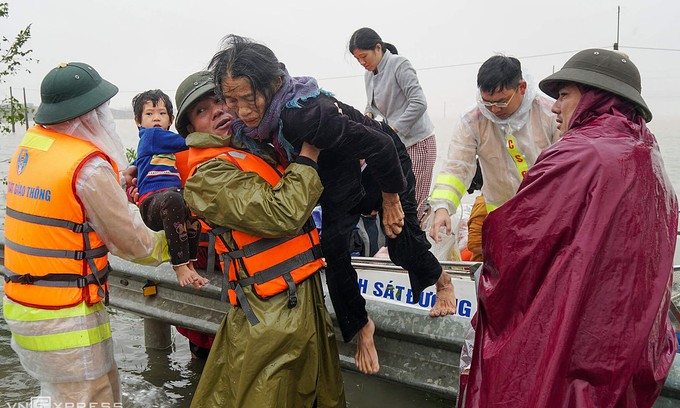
499 72
366 39
154 96
242 57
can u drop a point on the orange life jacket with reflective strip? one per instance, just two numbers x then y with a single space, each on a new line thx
272 265
53 257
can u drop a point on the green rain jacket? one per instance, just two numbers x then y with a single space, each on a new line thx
289 359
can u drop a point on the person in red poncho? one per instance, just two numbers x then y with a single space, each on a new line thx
575 288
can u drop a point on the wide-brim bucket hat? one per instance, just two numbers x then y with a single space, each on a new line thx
189 91
603 69
71 90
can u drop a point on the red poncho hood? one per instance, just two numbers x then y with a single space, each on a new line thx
575 288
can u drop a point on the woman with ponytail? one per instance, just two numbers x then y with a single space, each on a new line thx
393 92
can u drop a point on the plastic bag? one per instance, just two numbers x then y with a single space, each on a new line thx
449 247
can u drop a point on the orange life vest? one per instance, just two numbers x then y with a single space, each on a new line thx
53 257
206 239
182 164
271 265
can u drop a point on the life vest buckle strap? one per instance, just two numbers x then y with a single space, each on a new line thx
18 278
292 290
82 228
233 255
91 253
226 283
26 279
218 230
81 282
60 280
210 267
309 226
282 268
292 300
266 244
245 305
77 255
316 252
53 222
262 245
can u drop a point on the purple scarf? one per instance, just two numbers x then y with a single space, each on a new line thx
292 91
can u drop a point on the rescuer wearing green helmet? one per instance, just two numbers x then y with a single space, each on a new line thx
575 289
65 212
278 340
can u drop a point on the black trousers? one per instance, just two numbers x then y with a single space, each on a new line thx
166 210
410 249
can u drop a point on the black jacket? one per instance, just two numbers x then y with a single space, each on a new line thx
345 136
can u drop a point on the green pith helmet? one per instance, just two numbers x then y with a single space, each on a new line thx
603 69
189 91
71 90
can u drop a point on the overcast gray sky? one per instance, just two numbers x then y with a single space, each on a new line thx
145 44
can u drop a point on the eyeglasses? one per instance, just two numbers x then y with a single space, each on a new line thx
499 104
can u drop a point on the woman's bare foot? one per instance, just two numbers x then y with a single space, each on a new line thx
366 357
186 275
446 298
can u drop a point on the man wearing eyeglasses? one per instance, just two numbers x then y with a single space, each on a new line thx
578 265
507 129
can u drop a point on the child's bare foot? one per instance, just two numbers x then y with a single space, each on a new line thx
446 298
199 281
187 276
366 357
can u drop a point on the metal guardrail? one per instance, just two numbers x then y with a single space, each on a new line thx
454 268
414 350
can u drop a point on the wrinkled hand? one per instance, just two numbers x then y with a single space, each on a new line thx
393 214
441 219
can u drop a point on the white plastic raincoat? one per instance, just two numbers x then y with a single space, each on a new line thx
78 375
502 145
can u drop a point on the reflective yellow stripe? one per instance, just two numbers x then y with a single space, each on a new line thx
37 141
16 311
159 254
490 207
516 154
447 195
64 341
452 181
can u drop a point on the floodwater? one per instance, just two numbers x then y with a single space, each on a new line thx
168 378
